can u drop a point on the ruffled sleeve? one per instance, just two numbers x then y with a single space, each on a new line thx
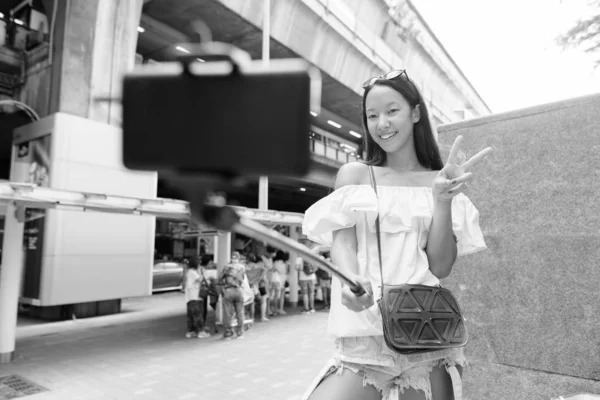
336 211
465 224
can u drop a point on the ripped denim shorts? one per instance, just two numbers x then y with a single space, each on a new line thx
390 373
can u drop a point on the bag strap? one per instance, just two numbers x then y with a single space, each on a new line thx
377 228
456 381
202 274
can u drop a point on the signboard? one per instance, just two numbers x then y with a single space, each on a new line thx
36 153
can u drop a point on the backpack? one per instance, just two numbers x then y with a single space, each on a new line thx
323 275
232 277
308 269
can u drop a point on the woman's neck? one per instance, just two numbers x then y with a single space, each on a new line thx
402 161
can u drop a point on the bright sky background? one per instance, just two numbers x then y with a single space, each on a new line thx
507 48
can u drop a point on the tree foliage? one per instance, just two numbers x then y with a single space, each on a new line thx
585 34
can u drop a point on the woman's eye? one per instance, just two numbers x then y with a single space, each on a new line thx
393 110
372 116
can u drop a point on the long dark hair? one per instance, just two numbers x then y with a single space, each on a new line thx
426 146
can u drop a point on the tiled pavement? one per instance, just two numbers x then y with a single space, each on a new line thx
143 355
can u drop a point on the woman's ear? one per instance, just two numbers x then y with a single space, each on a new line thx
416 114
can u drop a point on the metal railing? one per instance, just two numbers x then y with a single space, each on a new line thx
331 153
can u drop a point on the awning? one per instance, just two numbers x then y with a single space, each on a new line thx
33 196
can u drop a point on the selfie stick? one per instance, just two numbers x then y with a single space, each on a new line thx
196 188
225 218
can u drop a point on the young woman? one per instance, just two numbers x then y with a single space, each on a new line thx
425 223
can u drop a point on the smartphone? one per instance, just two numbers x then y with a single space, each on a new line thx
216 118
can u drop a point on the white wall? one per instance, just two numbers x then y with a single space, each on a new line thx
91 256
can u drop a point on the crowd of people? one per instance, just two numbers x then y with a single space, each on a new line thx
246 281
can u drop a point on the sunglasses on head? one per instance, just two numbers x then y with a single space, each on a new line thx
386 77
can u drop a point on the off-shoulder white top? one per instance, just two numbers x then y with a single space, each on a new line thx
405 217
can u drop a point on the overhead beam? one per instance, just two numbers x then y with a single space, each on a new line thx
29 195
165 34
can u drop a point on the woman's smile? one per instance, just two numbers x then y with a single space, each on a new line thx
388 136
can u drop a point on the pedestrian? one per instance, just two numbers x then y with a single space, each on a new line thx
208 294
195 320
324 280
232 279
277 285
307 279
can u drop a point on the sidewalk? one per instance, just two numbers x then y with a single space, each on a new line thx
142 353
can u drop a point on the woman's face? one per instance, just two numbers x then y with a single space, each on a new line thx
389 118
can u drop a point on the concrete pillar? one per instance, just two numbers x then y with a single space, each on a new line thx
222 258
11 270
263 182
222 250
94 45
293 275
263 193
10 282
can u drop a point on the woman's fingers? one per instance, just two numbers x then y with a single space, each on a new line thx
453 156
477 157
462 179
457 189
447 184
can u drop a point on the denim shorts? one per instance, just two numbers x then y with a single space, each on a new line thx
390 373
307 286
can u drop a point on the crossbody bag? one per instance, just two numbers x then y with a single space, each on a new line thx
417 318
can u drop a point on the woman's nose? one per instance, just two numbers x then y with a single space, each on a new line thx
383 122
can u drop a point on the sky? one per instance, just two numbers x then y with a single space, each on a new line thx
507 48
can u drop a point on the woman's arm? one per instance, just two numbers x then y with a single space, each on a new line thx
441 242
448 183
344 249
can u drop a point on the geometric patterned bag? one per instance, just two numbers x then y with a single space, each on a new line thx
418 318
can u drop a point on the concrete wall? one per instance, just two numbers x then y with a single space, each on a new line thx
91 256
532 300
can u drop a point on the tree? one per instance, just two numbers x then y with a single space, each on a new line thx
585 34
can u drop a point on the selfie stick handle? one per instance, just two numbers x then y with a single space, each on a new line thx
226 218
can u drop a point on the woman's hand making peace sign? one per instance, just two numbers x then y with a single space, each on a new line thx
451 180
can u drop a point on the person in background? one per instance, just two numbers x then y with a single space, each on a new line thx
254 273
283 267
267 259
263 284
324 278
195 320
185 263
307 279
232 278
205 263
277 284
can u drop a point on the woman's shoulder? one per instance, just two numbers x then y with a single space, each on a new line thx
351 173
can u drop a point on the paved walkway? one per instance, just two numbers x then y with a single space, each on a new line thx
142 354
